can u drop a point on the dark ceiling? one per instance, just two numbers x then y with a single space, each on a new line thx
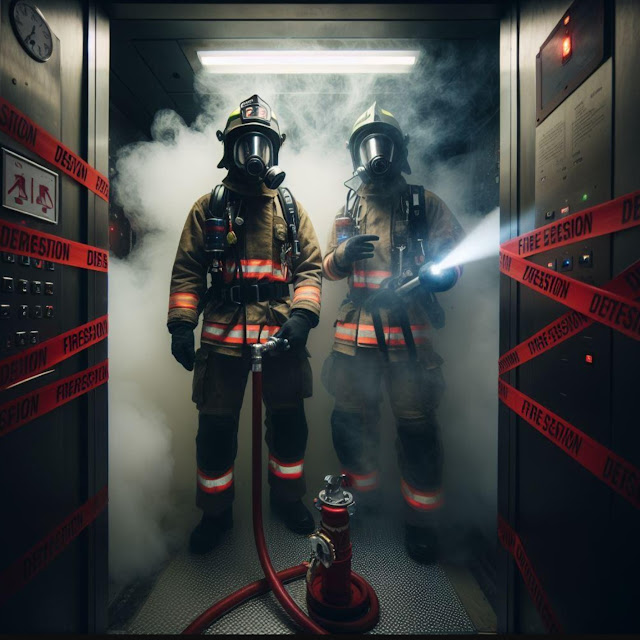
153 45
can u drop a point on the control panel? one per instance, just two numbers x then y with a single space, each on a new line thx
573 145
29 295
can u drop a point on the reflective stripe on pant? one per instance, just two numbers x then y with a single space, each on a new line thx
286 438
218 390
414 394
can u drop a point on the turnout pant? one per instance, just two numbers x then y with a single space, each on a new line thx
219 383
414 393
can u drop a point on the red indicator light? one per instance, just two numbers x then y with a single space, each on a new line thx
588 358
566 47
566 20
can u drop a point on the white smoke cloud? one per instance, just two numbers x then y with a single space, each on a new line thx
152 419
480 243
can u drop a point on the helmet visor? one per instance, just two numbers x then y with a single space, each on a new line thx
376 153
253 153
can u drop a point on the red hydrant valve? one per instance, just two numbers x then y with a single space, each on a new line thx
337 598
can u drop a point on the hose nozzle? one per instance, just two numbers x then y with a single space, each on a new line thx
272 344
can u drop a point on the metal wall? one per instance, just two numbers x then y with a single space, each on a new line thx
575 530
52 465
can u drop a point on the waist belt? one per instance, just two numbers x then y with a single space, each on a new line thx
239 294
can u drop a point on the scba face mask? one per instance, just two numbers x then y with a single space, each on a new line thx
376 154
253 154
373 159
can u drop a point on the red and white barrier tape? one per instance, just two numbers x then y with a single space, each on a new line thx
512 543
20 239
16 413
40 357
615 305
23 570
23 130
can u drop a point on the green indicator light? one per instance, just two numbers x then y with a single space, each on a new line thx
584 196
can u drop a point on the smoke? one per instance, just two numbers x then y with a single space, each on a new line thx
153 421
478 244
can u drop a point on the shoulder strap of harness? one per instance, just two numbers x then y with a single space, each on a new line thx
291 217
417 213
217 202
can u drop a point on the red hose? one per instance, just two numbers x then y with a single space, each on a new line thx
273 580
225 605
287 602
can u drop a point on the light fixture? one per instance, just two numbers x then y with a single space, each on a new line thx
309 61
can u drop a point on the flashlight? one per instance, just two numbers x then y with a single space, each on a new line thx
435 278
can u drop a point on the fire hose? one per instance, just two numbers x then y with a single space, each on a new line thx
337 597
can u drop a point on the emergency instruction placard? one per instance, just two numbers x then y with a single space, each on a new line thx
28 187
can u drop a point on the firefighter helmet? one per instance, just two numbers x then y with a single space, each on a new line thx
254 114
377 143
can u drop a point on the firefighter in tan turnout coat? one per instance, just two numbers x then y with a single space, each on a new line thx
252 239
386 234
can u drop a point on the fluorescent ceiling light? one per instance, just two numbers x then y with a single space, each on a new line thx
313 61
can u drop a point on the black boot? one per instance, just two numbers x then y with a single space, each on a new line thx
208 532
421 543
294 514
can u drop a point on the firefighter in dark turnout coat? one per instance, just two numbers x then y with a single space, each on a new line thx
382 237
241 237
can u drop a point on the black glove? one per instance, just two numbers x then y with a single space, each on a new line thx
296 328
182 343
356 248
434 280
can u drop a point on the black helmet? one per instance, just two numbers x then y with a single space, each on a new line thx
252 141
377 145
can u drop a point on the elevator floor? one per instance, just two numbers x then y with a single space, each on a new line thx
414 599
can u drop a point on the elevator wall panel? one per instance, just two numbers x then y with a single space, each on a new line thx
53 464
575 529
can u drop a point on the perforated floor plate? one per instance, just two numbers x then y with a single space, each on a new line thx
414 599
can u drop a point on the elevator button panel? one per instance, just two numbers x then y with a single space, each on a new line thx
7 285
29 293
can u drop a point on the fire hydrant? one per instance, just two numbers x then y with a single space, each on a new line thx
338 599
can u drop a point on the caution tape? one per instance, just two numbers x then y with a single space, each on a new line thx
614 305
615 215
512 543
44 552
23 130
626 284
18 412
44 246
616 472
606 307
36 359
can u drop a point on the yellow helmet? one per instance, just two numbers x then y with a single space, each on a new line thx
377 121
